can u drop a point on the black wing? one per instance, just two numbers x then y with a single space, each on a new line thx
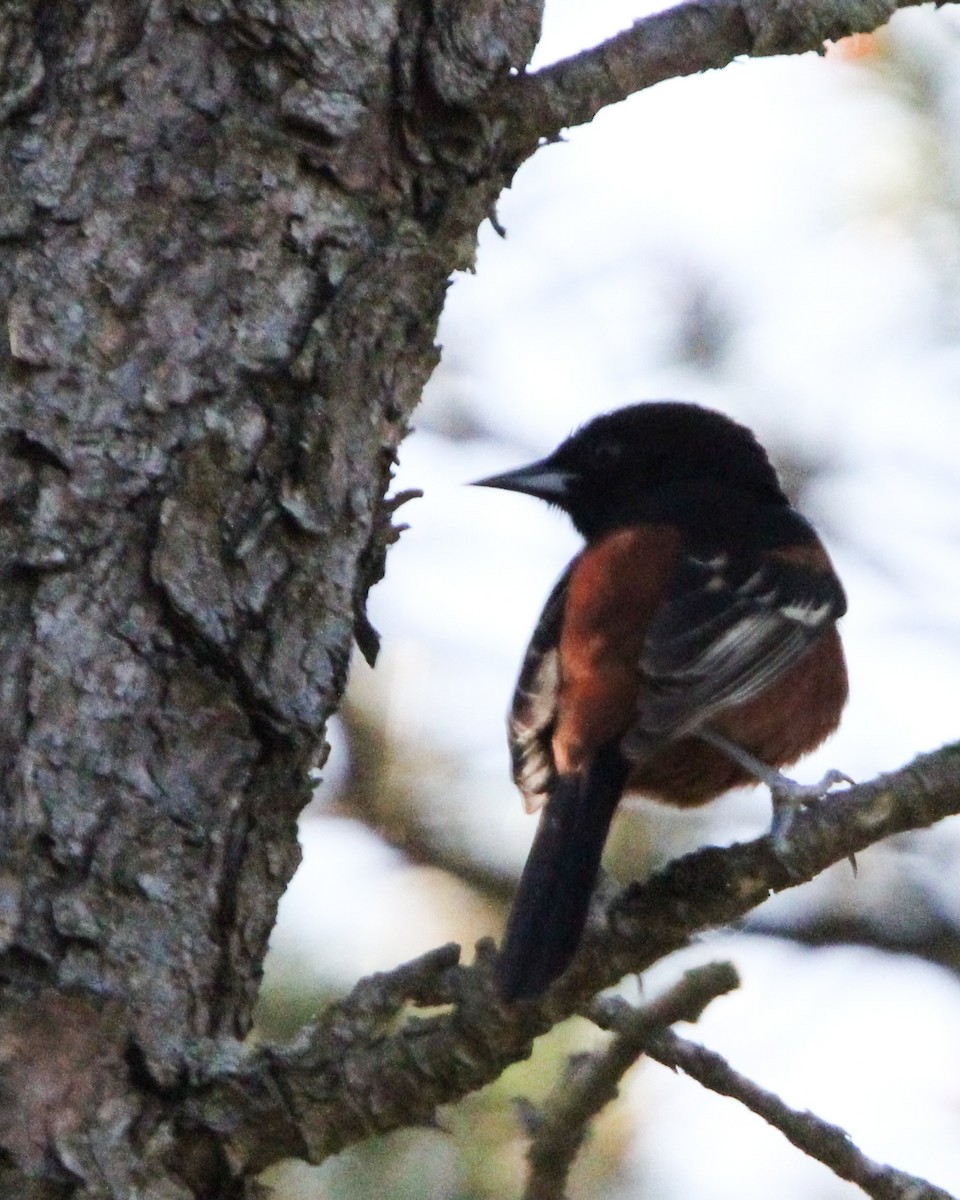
533 710
726 632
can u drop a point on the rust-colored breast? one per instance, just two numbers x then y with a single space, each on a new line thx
787 720
614 588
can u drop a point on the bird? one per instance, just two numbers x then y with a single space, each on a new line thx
690 647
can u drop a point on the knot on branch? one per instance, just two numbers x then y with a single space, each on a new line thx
472 43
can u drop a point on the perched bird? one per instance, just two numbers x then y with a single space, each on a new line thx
689 648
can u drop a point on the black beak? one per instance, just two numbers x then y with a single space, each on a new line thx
543 479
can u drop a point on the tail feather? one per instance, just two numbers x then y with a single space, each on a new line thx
552 901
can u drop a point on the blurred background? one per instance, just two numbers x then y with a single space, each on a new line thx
780 240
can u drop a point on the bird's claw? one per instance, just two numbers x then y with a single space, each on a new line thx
789 797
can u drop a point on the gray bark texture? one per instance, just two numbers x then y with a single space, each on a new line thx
226 231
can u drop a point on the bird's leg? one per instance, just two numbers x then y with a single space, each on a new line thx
787 795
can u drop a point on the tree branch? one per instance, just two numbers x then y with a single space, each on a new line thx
374 1062
592 1084
699 35
714 886
827 1143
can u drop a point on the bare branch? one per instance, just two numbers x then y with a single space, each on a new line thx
715 886
561 1127
699 35
374 1063
827 1143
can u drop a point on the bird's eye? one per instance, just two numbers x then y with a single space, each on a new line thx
605 456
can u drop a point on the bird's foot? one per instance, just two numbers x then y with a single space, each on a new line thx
789 797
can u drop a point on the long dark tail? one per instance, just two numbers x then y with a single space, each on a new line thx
552 901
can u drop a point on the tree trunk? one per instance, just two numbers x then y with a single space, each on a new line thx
227 230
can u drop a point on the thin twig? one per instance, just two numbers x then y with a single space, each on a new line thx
562 1125
695 36
827 1143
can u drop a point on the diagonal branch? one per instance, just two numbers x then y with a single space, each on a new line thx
408 1041
817 1138
699 35
560 1129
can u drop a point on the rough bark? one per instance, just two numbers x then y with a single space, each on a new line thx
226 230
